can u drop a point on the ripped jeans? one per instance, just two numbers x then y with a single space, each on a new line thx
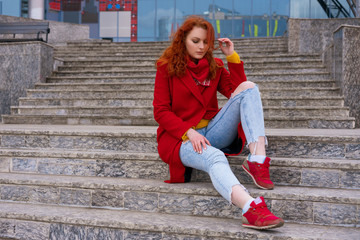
246 107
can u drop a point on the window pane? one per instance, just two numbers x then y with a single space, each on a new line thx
242 18
300 8
261 18
202 7
279 16
184 8
146 20
165 19
317 11
223 18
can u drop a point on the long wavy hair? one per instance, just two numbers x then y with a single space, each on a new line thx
175 56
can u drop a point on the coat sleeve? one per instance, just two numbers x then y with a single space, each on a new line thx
229 81
162 102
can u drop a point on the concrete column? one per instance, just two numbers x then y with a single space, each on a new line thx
36 9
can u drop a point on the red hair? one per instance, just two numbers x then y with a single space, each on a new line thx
176 54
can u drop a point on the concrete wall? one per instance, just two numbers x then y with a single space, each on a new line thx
60 32
314 35
21 66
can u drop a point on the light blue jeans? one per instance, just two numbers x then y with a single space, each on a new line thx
246 107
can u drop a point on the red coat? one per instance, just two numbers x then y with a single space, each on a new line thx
179 105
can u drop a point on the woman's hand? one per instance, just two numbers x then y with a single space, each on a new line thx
226 46
197 140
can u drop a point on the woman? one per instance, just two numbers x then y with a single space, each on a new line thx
194 133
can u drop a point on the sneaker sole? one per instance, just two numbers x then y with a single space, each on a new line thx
247 171
280 224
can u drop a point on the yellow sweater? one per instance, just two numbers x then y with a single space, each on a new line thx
233 58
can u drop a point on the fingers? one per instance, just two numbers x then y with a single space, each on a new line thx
228 47
200 144
197 140
227 41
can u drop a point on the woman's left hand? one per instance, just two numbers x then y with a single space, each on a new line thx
226 46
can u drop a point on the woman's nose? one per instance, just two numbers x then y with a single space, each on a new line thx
201 45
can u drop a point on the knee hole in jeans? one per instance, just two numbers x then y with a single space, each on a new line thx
243 86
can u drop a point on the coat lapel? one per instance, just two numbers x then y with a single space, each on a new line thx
191 85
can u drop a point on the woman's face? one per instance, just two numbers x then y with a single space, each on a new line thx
196 43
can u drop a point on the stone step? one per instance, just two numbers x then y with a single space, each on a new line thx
38 222
270 122
306 143
151 68
303 172
245 58
127 46
147 111
104 94
288 82
157 53
312 122
243 41
248 41
159 49
192 199
151 63
140 79
151 74
107 84
128 102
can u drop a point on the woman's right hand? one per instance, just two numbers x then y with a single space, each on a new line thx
197 140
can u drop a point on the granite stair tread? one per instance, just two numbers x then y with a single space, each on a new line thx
150 131
152 68
323 195
151 90
151 62
150 107
295 171
312 122
141 79
165 224
327 163
155 50
150 98
245 58
150 83
307 143
153 71
147 111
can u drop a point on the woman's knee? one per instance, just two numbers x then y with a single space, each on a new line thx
217 157
243 86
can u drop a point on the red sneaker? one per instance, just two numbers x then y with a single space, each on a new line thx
259 173
259 216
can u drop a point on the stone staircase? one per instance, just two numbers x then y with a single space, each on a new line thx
78 156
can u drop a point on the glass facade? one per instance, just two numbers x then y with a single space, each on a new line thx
156 20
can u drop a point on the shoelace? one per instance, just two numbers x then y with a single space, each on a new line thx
262 211
263 170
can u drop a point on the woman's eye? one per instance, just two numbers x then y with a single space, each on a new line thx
195 41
